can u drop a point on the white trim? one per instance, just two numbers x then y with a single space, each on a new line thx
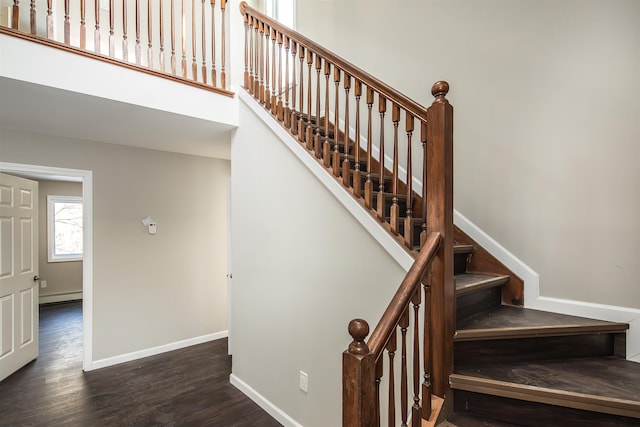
397 252
263 402
135 355
86 177
533 299
61 297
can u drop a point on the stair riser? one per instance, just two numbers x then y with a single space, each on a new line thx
532 349
533 414
477 302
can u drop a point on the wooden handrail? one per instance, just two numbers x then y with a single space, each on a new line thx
384 89
413 279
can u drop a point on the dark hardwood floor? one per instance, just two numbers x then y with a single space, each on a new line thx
187 387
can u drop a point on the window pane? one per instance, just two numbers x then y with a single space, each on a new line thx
67 228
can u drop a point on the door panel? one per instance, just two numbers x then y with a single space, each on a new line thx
18 267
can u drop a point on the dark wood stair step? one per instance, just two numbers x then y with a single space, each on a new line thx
475 282
515 322
465 420
606 385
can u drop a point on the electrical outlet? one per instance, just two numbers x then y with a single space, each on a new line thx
43 283
304 381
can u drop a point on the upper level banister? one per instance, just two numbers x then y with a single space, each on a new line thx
383 89
401 299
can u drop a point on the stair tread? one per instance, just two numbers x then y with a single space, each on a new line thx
511 322
471 282
465 420
460 249
603 384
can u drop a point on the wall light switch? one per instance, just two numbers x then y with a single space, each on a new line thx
304 381
43 283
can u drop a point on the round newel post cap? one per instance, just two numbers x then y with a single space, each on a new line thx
358 329
440 89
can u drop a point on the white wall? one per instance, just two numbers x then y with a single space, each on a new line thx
148 290
546 131
303 267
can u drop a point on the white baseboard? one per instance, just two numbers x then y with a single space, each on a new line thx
65 296
533 299
265 404
110 361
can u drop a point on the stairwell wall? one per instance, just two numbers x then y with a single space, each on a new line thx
546 130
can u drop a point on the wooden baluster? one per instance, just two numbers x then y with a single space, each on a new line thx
112 39
378 379
317 139
15 13
83 25
265 95
149 36
96 33
346 165
357 92
256 52
308 130
287 111
214 77
423 139
336 121
392 345
293 121
138 46
223 45
173 39
125 43
32 17
183 62
415 409
359 379
426 358
247 52
368 185
67 23
204 44
404 387
395 209
274 102
161 24
299 122
194 62
49 19
408 220
279 106
382 109
326 147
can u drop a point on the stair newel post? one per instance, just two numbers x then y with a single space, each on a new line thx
416 300
357 179
265 91
287 110
346 167
279 105
317 139
326 146
32 17
337 74
408 220
425 178
440 219
67 22
358 379
15 14
427 350
368 185
50 19
308 129
274 102
395 209
378 380
96 33
382 109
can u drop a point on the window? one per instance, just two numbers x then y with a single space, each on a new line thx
64 228
282 10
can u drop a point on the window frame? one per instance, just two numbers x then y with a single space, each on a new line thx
51 255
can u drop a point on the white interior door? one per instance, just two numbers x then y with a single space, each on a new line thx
18 268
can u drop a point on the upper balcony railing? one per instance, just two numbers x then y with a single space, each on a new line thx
183 40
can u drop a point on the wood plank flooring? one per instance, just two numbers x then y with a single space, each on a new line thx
187 387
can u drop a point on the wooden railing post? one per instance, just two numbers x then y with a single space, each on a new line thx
358 379
439 193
